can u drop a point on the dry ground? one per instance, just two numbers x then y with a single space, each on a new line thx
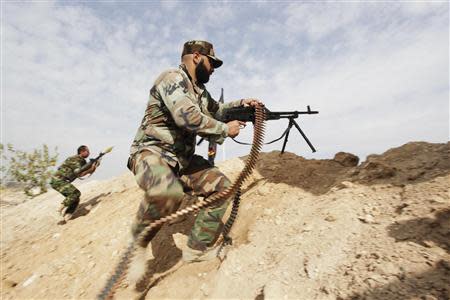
307 229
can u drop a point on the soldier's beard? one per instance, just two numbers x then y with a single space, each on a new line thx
201 72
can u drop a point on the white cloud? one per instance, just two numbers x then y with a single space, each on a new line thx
320 19
169 4
420 8
216 14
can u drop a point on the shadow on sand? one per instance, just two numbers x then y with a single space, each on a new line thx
85 207
166 254
423 230
432 284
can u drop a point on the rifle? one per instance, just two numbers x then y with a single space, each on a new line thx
212 147
247 114
92 161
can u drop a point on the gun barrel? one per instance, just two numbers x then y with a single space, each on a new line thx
274 115
296 112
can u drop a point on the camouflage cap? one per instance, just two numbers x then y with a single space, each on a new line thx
202 47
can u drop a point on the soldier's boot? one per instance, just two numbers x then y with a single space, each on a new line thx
193 255
67 217
70 210
62 209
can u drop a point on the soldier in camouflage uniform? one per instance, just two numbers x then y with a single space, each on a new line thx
66 173
162 154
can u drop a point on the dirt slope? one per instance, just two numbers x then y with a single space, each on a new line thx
307 229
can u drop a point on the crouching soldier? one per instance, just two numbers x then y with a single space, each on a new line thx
162 154
72 168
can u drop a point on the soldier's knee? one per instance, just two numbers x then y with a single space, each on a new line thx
164 204
57 184
76 201
226 182
221 183
165 193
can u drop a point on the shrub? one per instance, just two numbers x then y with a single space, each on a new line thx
31 169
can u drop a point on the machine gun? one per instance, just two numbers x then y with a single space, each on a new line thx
92 161
247 114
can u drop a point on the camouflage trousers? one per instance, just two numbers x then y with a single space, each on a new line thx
165 190
69 191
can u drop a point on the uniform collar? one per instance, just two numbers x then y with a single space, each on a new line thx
199 88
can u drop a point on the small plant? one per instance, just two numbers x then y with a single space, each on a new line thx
31 169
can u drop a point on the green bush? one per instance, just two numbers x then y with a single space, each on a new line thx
30 169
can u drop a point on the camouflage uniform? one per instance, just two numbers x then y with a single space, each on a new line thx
162 154
61 181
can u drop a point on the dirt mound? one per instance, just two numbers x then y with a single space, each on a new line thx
312 175
346 159
306 229
412 162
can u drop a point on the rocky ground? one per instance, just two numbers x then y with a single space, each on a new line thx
306 229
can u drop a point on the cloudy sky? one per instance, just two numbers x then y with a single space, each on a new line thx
79 72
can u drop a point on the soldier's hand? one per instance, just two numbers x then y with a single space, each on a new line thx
234 127
251 102
94 167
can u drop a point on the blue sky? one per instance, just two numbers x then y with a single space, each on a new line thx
79 72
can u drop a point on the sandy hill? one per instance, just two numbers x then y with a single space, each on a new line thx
306 229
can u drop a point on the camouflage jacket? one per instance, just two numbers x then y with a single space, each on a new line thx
66 171
176 112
